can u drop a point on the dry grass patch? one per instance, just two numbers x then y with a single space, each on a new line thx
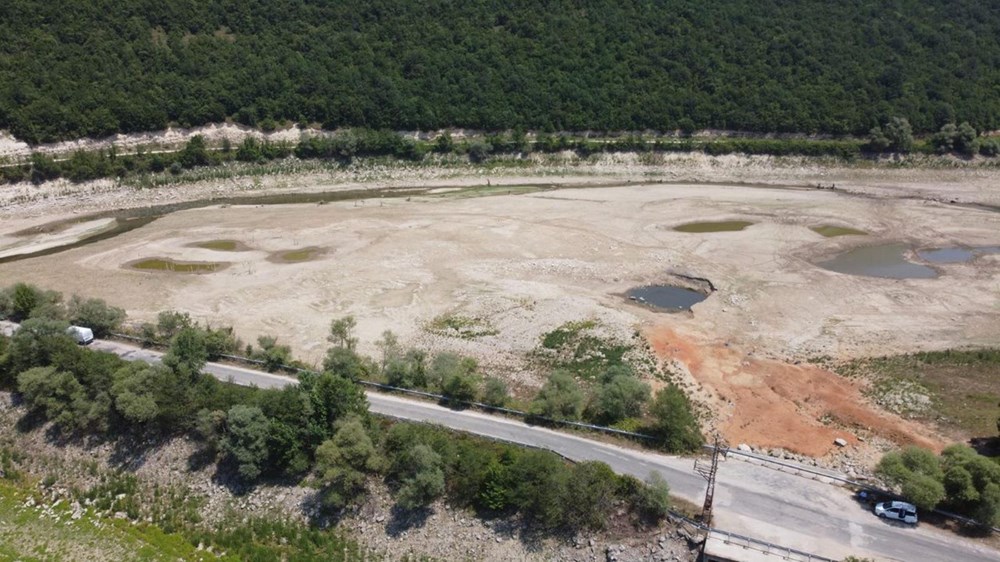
958 391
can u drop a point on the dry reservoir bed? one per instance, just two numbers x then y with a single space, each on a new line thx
525 264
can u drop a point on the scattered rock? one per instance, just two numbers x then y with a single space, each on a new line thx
840 442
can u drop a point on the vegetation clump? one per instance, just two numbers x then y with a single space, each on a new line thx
464 327
580 348
959 480
319 430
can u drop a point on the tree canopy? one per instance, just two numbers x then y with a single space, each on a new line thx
72 69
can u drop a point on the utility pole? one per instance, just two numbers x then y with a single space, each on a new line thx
708 469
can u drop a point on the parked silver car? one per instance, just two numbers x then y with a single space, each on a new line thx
899 511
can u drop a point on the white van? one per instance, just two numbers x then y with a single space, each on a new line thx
82 335
899 511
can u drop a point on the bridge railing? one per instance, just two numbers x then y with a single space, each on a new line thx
750 543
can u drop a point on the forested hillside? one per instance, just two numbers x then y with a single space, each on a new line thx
71 68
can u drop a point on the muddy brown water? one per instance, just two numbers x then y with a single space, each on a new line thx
886 260
717 226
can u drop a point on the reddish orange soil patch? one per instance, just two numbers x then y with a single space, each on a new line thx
769 403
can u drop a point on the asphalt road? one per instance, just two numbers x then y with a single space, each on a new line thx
750 500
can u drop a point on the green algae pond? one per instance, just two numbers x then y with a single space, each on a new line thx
717 226
832 231
221 245
295 256
168 265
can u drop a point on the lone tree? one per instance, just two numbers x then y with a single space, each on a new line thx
560 398
245 440
390 348
346 363
674 421
622 396
39 342
56 394
169 322
424 481
273 355
95 314
22 301
650 499
134 391
496 393
342 332
187 353
194 153
593 486
344 461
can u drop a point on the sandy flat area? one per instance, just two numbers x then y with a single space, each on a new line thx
23 243
525 264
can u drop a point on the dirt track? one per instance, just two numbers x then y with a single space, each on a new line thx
527 263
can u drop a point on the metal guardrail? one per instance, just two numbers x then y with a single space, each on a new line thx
527 416
768 548
759 545
510 411
791 467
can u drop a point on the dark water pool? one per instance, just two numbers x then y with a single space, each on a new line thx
666 297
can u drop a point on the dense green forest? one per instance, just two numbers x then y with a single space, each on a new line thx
71 69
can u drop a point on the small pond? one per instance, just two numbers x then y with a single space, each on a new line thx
956 254
295 256
887 260
832 231
161 264
666 297
221 245
719 226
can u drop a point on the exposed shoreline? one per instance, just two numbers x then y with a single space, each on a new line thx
528 261
965 184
